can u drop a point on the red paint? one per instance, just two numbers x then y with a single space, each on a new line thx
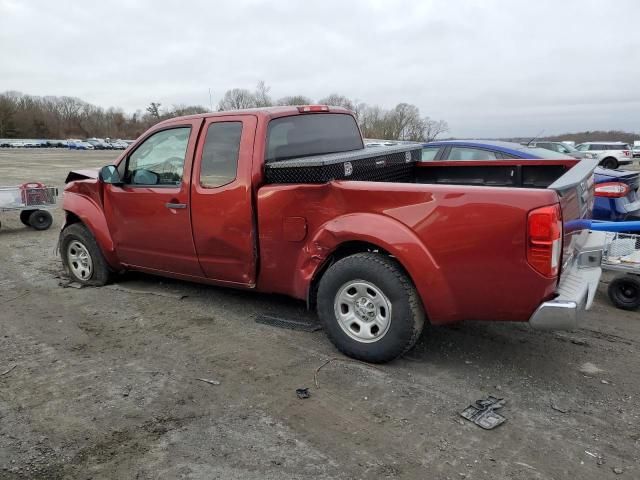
464 247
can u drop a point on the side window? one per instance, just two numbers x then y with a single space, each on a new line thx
429 153
159 160
582 148
467 153
220 154
593 147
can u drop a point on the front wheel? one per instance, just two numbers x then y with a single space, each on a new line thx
81 256
370 308
624 292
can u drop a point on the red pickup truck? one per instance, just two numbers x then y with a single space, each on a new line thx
288 200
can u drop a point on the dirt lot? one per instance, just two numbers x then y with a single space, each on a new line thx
105 382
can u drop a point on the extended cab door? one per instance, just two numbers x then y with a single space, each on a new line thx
221 200
149 216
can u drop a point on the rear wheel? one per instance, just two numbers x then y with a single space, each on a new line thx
370 308
40 219
81 256
610 163
24 217
624 292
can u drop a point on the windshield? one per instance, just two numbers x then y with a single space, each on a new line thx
313 134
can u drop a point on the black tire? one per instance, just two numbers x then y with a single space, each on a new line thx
406 317
100 272
609 163
624 292
24 217
40 219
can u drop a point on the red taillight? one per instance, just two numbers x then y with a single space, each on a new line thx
626 153
313 108
612 190
544 240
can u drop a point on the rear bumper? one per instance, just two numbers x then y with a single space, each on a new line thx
576 289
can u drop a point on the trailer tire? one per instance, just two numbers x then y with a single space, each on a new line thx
40 219
624 292
369 307
82 258
24 217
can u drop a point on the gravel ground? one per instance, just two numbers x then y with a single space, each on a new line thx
104 382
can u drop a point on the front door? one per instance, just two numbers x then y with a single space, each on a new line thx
150 214
221 199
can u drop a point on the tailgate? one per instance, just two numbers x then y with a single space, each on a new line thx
576 191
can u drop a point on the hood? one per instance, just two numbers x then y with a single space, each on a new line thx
87 174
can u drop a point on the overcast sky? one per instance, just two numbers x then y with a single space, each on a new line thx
489 68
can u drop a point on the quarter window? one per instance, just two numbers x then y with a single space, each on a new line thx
429 153
220 155
159 160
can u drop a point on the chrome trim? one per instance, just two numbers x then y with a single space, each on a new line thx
576 289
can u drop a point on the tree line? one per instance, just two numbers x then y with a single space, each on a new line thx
29 116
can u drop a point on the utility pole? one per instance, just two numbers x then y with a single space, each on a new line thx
210 101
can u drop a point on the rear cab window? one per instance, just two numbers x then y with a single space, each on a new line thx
311 134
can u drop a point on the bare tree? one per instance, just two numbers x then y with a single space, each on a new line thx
294 100
237 99
434 128
338 100
154 110
262 98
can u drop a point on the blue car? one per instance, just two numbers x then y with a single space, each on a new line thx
616 190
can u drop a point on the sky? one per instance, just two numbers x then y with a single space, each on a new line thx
489 68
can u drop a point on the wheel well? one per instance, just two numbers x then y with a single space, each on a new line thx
609 158
344 250
71 218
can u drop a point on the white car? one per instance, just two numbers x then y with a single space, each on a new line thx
610 154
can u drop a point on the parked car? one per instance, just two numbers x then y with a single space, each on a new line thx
116 144
99 144
561 147
616 193
636 149
251 203
610 154
79 145
56 144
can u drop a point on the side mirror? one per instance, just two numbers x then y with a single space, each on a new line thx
110 174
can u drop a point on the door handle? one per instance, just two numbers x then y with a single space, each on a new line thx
177 206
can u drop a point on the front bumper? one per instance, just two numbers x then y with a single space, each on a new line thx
576 289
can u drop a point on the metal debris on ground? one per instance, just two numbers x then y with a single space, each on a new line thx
303 393
334 359
7 371
146 291
302 325
483 414
211 382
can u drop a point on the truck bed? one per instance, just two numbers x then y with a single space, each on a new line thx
461 227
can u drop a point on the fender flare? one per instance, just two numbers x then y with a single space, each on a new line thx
92 216
395 238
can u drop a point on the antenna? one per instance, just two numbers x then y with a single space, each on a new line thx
540 133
